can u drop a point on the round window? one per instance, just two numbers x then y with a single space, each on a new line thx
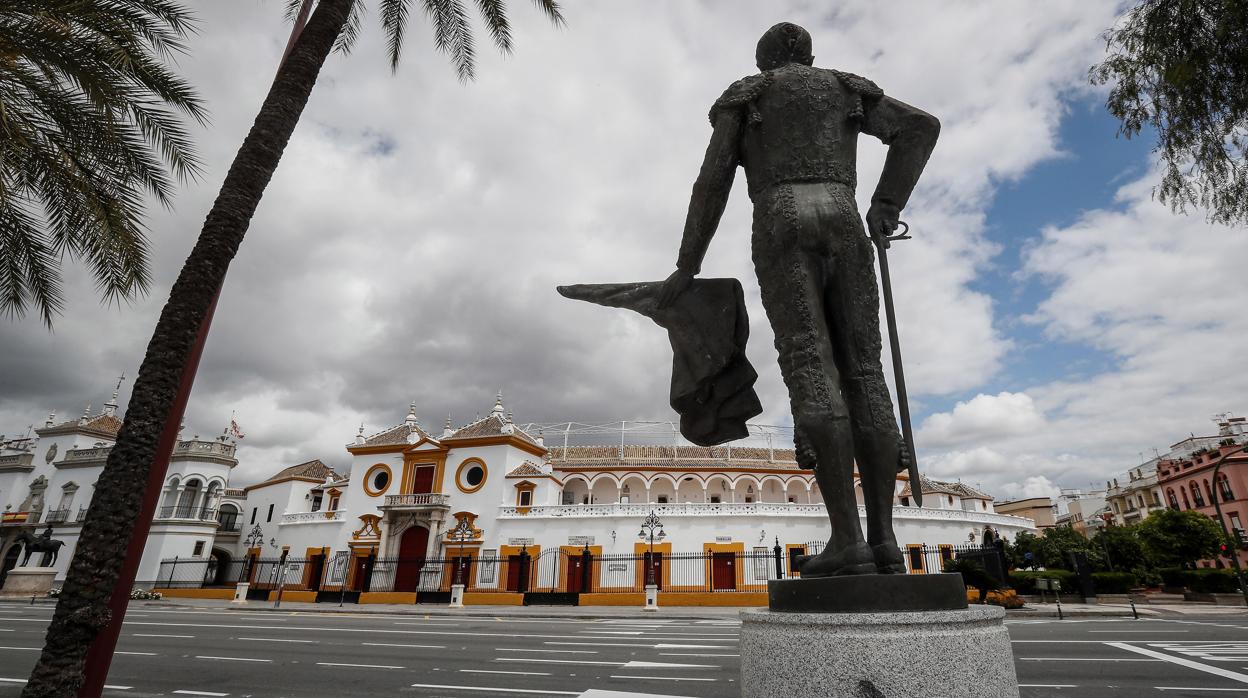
380 479
377 479
474 476
471 475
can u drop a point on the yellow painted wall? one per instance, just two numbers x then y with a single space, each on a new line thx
625 599
738 598
226 594
407 597
487 598
294 596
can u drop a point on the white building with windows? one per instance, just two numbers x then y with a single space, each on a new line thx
47 480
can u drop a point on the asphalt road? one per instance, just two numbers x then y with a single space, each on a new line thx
240 653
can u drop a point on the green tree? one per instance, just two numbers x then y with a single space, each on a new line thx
90 124
111 522
1122 548
1179 67
1051 549
1179 538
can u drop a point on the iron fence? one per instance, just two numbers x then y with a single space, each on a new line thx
563 570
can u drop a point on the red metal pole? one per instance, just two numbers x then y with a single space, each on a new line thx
100 655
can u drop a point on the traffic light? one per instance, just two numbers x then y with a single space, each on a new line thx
1224 550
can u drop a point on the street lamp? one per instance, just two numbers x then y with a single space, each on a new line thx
462 533
1217 507
648 531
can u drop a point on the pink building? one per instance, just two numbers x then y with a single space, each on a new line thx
1187 483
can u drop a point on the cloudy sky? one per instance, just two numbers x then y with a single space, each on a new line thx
1057 322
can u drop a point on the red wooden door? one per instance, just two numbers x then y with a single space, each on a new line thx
723 571
576 573
422 481
412 548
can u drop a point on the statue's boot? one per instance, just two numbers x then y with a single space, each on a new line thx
856 559
879 456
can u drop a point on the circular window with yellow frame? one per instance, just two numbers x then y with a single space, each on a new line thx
377 479
471 475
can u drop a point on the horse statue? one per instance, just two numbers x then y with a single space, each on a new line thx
40 544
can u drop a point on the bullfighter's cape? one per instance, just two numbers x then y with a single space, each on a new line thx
712 380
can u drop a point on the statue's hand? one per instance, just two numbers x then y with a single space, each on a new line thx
882 221
673 287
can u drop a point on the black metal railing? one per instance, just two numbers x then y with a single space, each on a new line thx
552 571
56 516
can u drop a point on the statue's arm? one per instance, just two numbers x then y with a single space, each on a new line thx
710 190
910 134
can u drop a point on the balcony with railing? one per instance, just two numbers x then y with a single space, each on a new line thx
312 517
56 516
417 502
229 523
216 450
186 514
17 462
78 457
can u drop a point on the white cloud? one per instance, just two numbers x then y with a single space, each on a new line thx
1034 486
409 245
982 418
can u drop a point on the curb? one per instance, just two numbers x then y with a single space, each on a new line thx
445 612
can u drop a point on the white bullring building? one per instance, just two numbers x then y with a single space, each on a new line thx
485 494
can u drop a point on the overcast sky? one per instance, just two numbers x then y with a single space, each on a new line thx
1057 323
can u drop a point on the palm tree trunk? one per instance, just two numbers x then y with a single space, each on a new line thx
82 611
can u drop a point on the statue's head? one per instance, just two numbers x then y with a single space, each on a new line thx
783 44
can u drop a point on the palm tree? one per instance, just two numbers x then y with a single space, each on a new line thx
119 517
88 126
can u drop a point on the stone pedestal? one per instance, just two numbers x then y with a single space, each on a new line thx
29 581
925 654
240 592
652 598
457 596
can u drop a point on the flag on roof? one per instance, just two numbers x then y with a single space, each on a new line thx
235 430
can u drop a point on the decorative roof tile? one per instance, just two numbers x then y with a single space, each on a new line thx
312 470
526 469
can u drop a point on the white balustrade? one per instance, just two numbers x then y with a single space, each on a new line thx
745 509
417 500
311 517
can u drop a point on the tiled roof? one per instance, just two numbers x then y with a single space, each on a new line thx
313 469
525 469
938 487
396 435
970 492
490 425
102 424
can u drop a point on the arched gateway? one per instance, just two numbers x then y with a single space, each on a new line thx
412 547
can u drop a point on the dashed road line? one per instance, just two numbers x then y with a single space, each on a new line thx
497 690
495 671
232 659
361 666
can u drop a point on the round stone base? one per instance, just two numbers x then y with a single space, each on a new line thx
28 581
963 654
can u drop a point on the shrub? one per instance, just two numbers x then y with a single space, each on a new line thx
1114 582
1025 582
1174 576
137 594
1214 581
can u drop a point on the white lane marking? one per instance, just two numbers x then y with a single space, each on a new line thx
689 654
517 673
6 630
1184 688
231 659
361 666
434 625
497 690
395 644
661 678
138 654
118 688
1081 659
611 632
21 648
1213 651
154 635
1140 632
1048 685
554 661
516 649
275 639
666 665
603 644
1225 673
664 646
13 680
339 630
200 693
